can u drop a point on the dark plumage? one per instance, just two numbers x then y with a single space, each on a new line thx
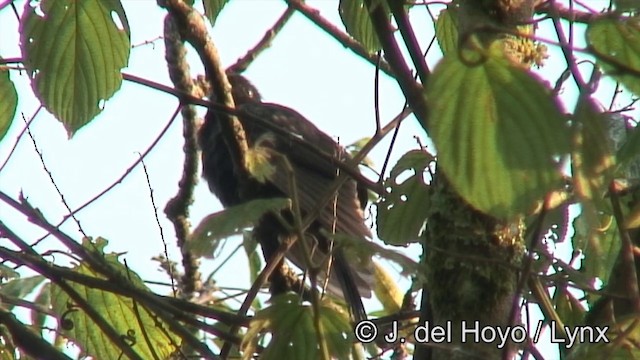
313 175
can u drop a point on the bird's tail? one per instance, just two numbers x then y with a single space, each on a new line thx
351 291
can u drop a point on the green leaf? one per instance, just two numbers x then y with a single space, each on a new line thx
496 129
628 155
8 273
9 102
356 249
569 309
627 5
20 288
622 342
596 236
231 221
148 335
446 28
592 160
616 44
212 9
403 210
255 263
632 220
74 54
42 299
357 22
355 147
293 333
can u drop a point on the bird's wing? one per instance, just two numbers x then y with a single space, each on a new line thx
314 176
313 173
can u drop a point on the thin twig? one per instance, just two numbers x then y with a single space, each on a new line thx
567 50
565 13
411 90
128 171
301 238
193 29
526 271
165 307
411 42
55 185
373 186
243 63
108 285
340 36
24 131
138 316
78 300
155 212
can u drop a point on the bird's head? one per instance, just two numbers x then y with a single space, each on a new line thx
243 90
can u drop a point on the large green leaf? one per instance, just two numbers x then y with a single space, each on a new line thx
617 46
293 333
357 22
8 102
74 51
147 335
403 210
231 221
496 129
212 9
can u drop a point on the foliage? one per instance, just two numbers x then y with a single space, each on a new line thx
512 131
506 143
63 41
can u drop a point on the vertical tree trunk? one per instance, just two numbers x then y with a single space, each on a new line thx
471 259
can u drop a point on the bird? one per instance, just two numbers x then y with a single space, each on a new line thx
313 175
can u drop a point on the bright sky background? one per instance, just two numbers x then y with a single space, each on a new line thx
305 70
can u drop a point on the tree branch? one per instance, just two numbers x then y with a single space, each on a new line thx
411 90
243 63
193 29
340 36
177 209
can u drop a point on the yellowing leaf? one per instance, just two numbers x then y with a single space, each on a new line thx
147 335
632 220
387 290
